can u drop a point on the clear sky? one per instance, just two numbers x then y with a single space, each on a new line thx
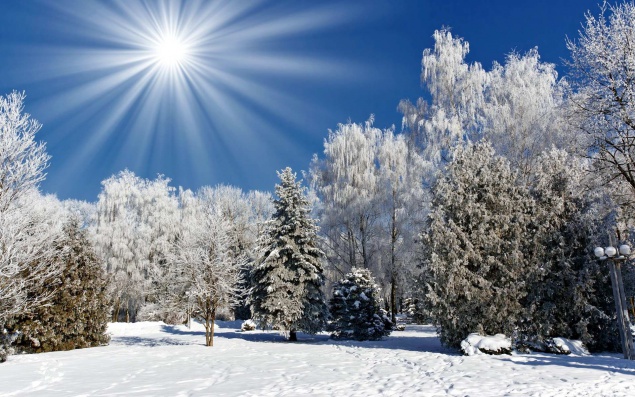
209 92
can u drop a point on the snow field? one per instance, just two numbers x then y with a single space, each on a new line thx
154 359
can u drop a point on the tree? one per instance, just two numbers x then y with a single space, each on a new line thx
76 315
523 111
136 223
401 194
478 246
346 181
356 308
242 213
288 276
455 112
25 237
22 159
517 106
602 67
205 273
571 294
29 230
23 241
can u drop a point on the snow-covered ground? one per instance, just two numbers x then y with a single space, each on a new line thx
154 359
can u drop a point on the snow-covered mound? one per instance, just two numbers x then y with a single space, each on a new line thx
568 346
477 344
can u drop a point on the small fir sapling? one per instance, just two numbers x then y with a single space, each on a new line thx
356 308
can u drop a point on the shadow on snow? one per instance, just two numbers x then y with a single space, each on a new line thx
601 363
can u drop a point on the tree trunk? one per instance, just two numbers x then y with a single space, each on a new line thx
210 317
393 302
211 337
293 337
393 258
351 247
208 337
115 314
362 232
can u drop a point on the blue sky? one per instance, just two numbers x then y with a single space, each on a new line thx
259 88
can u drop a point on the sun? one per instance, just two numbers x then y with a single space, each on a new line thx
170 51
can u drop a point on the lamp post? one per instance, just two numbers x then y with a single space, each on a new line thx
614 257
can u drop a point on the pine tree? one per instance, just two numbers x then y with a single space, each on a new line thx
77 314
356 308
288 277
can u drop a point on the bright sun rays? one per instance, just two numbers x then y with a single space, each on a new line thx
170 51
188 81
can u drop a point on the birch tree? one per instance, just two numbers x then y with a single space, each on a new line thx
22 159
346 181
602 67
205 273
403 209
135 227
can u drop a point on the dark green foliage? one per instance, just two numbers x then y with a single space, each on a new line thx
571 296
288 277
356 308
479 248
77 314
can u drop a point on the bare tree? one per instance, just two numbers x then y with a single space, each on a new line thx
29 230
27 220
205 275
22 159
602 74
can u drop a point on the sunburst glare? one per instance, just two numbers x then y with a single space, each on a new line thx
170 51
193 82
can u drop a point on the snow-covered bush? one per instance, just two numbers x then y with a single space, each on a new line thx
478 344
6 339
248 325
77 313
356 308
555 345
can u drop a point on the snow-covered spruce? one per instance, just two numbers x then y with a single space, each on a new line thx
288 277
356 308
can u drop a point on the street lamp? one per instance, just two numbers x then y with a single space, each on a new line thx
614 257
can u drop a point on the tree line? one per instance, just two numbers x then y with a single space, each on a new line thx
483 209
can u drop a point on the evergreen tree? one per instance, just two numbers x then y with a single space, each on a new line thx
479 246
571 296
356 308
288 277
77 314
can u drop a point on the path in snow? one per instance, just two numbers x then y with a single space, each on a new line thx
154 359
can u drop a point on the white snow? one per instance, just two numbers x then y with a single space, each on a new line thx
474 344
154 359
570 346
